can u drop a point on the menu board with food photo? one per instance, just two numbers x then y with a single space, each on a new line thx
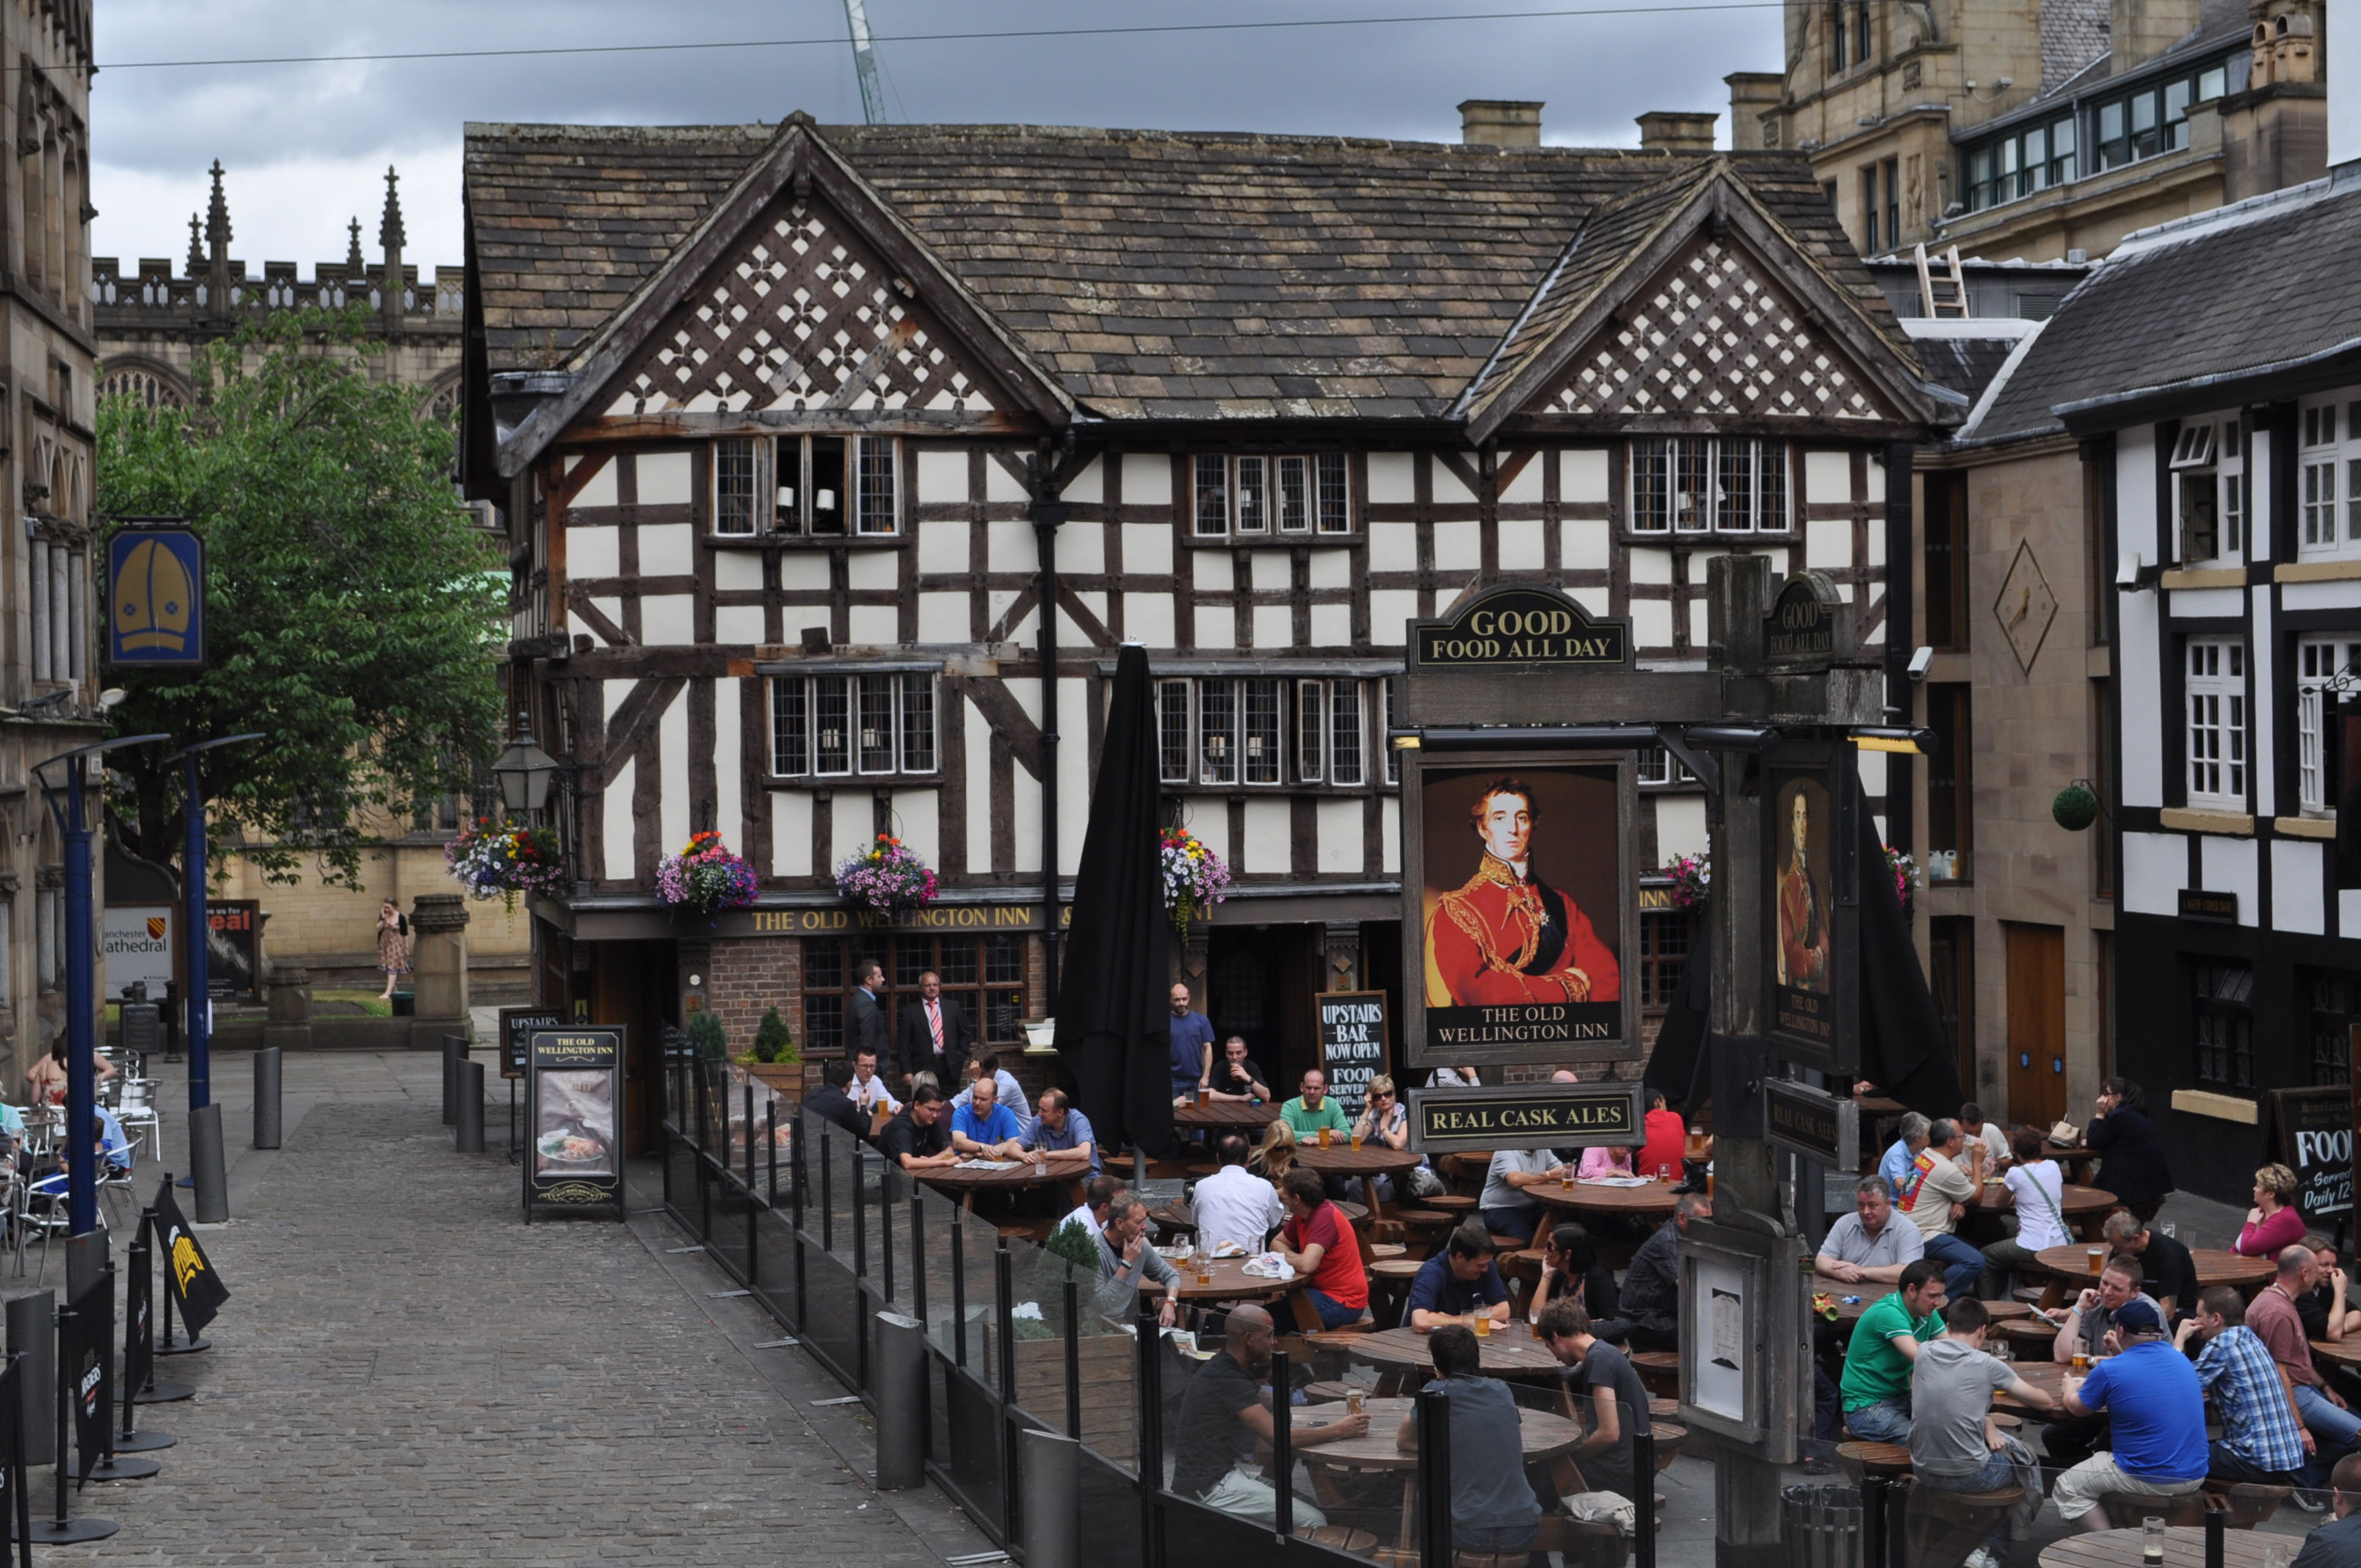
576 1092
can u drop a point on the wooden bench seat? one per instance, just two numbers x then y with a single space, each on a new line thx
1941 1528
1859 1459
2247 1503
2126 1511
1660 1372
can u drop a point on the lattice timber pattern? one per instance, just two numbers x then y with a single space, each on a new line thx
1714 338
805 317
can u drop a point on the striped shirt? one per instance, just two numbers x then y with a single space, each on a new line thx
2257 1423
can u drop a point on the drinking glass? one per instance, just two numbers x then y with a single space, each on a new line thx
1356 1140
2151 1540
1483 1325
2097 1256
1353 1398
1323 1138
1204 1270
2082 1363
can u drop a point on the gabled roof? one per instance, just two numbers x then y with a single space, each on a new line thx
1151 275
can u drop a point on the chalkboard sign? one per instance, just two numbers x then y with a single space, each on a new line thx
2313 1137
573 1120
517 1024
1352 1044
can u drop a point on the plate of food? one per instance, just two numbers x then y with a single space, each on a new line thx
572 1146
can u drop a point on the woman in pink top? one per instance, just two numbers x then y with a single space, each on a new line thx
2274 1223
1611 1162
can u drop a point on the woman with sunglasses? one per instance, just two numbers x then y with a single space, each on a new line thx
1570 1272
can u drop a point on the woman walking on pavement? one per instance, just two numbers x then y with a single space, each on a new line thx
392 945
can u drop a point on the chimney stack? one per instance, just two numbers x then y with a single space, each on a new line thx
2139 30
1751 94
1499 122
1675 130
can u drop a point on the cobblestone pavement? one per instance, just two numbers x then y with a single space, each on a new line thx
406 1373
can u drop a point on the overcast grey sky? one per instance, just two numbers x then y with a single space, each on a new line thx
306 146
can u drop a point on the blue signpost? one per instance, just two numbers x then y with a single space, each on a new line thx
200 928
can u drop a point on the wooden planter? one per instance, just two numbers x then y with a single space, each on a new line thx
1109 1420
783 1079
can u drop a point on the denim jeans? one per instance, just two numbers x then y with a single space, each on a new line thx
2221 1464
1883 1420
1333 1314
1962 1265
1519 1223
2327 1420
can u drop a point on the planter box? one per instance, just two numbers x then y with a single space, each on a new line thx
783 1079
1110 1423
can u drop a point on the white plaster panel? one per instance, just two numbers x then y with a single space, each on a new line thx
665 550
738 625
1148 549
1390 610
1598 601
2209 601
874 625
1340 835
1827 541
1680 825
1652 624
2320 596
1450 489
1871 765
872 569
609 606
1520 544
2264 716
1273 570
1700 612
2137 655
943 546
1587 546
942 617
942 475
1877 539
1073 775
1216 626
1274 626
1876 467
672 802
593 553
1270 835
1213 570
1582 476
1012 547
599 490
615 817
1209 820
1024 800
851 827
737 571
804 570
1089 487
1147 480
1652 563
1082 548
1389 833
1071 635
1332 625
1458 546
1147 619
2136 492
919 817
729 762
1393 547
1331 568
1000 485
2156 867
664 479
1828 478
2297 901
2232 865
996 601
791 813
979 788
1393 479
1526 488
2349 910
667 619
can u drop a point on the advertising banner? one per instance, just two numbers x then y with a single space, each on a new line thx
233 952
573 1119
197 1290
137 941
1527 1117
84 1359
1352 1044
2312 1133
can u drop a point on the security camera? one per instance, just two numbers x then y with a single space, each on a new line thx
1920 661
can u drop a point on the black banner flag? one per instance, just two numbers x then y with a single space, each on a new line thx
189 1274
82 1357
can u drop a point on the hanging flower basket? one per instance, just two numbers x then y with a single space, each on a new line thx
887 877
1692 879
1195 879
705 877
499 859
1905 875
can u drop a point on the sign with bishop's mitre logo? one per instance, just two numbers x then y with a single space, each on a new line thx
155 597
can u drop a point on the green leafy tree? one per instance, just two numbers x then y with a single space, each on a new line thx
353 608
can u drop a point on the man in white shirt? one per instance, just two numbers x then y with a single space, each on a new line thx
1234 1204
1994 1141
1011 1092
1097 1193
867 1090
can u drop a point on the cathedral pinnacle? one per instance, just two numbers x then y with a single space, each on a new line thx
389 231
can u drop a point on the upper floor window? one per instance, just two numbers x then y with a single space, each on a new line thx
1659 766
824 726
2019 162
1254 729
2216 697
1262 494
2328 478
2208 492
2319 662
1848 33
2153 118
1699 484
815 485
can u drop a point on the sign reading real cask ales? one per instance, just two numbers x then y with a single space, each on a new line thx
1352 1044
573 1101
1526 1116
1812 1123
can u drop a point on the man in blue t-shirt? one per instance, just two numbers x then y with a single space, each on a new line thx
1192 1044
1457 1280
985 1128
2156 1413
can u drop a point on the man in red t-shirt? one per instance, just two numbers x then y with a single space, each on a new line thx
1318 1243
1667 1138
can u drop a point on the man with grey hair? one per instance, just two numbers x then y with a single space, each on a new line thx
1935 1194
1909 1139
1126 1259
1869 1243
1650 1315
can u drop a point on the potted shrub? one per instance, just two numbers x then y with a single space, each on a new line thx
774 1059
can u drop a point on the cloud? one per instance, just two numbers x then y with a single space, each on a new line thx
306 146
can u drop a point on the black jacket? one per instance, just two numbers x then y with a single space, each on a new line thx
864 1024
2336 1544
834 1104
913 1043
2131 1157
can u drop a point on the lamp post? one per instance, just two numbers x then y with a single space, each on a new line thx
82 1037
525 770
192 894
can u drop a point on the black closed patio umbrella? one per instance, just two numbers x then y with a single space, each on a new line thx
1114 1024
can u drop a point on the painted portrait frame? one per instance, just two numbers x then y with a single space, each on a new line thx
1814 1023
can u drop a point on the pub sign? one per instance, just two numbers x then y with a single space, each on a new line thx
155 597
1527 1117
1810 842
574 1158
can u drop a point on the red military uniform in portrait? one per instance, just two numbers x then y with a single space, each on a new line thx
1502 939
1803 930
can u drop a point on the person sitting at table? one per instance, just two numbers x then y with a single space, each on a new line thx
45 1080
2324 1307
2272 1315
1935 1195
1126 1258
1870 1243
1876 1389
831 1101
1312 1110
1223 1409
920 1138
1602 1378
1236 1076
1571 1272
2036 1189
2274 1223
2085 1324
1668 1140
1383 1121
1955 1446
1098 1193
2132 1164
1909 1139
1456 1282
986 1064
1492 1504
985 1129
109 1144
1998 1148
1234 1204
2263 1440
2338 1544
1061 1129
1276 1156
868 1088
2157 1415
1507 1209
2166 1271
1318 1243
1602 1160
1650 1318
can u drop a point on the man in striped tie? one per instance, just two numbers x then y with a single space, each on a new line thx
934 1035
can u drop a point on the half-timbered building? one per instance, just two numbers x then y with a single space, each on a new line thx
838 462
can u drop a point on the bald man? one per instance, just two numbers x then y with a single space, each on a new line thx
1225 1395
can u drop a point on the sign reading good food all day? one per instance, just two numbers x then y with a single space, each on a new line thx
1522 626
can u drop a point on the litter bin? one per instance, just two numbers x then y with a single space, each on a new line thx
1823 1525
405 1005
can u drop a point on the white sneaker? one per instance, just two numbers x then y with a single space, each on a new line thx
1982 1557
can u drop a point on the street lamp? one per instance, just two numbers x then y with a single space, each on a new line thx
524 771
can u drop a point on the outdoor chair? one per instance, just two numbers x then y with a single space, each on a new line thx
1941 1528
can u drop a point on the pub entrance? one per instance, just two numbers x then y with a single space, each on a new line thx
1260 981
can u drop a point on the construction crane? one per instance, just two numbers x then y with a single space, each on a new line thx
864 62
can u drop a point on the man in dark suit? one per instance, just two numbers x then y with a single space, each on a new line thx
831 1100
2338 1545
864 1015
934 1034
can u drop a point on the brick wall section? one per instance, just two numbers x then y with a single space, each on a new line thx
747 975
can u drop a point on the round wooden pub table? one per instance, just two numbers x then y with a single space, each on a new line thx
1546 1436
1510 1351
2073 1266
1365 1165
2049 1377
2184 1546
1650 1204
1227 1280
1224 1116
1069 1169
2084 1209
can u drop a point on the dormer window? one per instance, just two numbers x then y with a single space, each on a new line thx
815 486
2207 496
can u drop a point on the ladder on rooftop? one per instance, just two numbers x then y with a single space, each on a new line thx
1941 288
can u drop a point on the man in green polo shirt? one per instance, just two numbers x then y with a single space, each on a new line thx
1884 1347
1312 1110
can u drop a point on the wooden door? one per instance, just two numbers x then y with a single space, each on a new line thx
2037 1022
